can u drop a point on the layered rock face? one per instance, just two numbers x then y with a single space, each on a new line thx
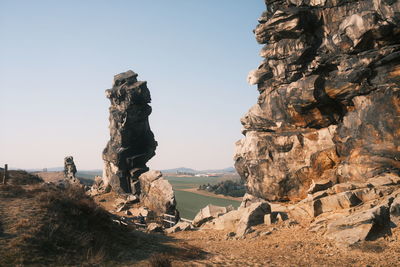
329 103
131 142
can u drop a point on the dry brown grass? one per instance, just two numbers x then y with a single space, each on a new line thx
21 177
160 260
42 224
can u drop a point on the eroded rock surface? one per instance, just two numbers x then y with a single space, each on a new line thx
157 194
329 104
132 142
69 172
208 213
69 168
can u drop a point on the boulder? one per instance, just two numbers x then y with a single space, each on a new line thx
252 215
249 199
360 225
275 217
180 226
154 228
208 213
226 222
157 194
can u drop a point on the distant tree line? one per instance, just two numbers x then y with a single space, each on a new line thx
226 188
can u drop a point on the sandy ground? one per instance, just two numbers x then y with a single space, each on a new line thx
274 245
209 194
283 245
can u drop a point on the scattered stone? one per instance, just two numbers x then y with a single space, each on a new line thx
274 217
249 199
154 228
122 207
319 186
180 226
252 215
228 221
266 233
142 211
359 226
208 213
127 212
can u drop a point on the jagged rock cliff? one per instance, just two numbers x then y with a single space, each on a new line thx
329 104
131 142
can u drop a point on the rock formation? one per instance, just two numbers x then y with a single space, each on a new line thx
157 194
69 168
329 103
131 142
69 173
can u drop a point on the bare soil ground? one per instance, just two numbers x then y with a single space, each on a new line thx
283 245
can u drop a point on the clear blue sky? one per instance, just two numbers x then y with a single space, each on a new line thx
58 57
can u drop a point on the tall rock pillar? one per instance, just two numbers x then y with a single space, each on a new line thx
131 142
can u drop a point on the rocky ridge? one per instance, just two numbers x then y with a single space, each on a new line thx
325 132
329 104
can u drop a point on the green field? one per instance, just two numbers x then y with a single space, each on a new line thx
190 203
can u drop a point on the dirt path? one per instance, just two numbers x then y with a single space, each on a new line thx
285 246
209 194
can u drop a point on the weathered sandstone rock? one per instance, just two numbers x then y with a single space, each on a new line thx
157 194
180 226
154 228
329 104
69 173
252 215
131 142
240 221
208 213
227 222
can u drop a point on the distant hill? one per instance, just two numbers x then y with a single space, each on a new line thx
189 170
226 170
92 173
181 169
